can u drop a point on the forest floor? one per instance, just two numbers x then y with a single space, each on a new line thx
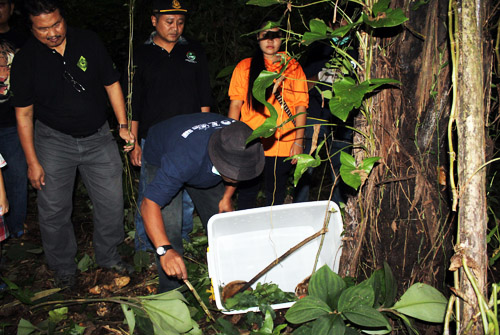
33 295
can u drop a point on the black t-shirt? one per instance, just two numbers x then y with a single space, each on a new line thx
10 42
168 84
67 92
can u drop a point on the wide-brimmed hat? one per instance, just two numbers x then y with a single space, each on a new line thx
232 157
169 7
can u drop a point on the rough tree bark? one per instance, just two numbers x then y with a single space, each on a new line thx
471 156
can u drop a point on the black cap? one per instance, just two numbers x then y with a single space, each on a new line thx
232 157
169 7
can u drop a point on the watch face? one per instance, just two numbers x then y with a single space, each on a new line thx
161 251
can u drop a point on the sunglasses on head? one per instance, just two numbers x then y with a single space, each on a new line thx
271 35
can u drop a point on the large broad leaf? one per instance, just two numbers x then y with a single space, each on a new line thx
25 327
263 3
329 325
318 31
168 312
377 282
389 18
307 309
326 285
391 287
353 175
349 95
367 317
130 317
304 162
422 302
359 295
263 81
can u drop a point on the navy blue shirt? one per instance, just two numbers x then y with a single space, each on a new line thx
179 146
53 83
169 83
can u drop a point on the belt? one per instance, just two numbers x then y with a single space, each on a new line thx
86 134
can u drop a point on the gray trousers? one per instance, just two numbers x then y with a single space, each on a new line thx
97 159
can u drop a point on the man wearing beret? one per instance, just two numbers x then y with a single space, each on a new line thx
205 154
170 78
61 80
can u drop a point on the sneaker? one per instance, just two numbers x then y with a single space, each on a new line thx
122 268
65 281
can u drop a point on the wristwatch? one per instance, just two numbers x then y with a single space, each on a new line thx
122 125
162 250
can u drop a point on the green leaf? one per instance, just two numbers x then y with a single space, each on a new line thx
380 6
129 316
225 72
352 175
263 3
85 263
25 327
141 260
389 18
168 312
307 309
359 295
422 302
349 95
329 325
76 330
226 327
58 314
366 316
304 162
326 285
390 286
377 282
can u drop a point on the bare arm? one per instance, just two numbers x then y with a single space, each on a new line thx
300 120
172 263
117 101
4 203
36 175
235 109
225 204
136 153
205 109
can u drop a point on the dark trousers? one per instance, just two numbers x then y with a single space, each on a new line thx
97 159
15 180
275 175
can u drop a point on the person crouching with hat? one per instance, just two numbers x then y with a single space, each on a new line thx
205 154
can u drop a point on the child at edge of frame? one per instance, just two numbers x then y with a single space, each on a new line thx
4 208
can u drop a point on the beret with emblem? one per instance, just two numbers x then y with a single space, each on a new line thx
169 7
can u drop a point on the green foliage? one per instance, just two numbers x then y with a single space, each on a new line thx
383 16
333 308
85 263
353 175
268 326
142 260
263 295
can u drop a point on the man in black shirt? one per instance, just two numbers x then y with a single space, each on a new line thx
61 78
171 78
16 182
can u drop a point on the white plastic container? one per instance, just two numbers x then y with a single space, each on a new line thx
243 243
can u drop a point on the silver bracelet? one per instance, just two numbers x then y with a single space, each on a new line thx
298 145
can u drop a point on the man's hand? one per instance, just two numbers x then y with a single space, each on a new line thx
36 176
129 138
225 205
173 265
136 155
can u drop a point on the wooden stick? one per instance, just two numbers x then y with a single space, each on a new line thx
281 258
197 296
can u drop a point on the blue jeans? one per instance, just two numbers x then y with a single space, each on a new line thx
15 179
206 202
97 159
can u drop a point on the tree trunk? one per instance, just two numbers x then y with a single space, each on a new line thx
471 156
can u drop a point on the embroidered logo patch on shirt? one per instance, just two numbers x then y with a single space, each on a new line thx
82 63
191 57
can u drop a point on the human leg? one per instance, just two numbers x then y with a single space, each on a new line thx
276 173
101 171
187 215
207 201
57 153
15 180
